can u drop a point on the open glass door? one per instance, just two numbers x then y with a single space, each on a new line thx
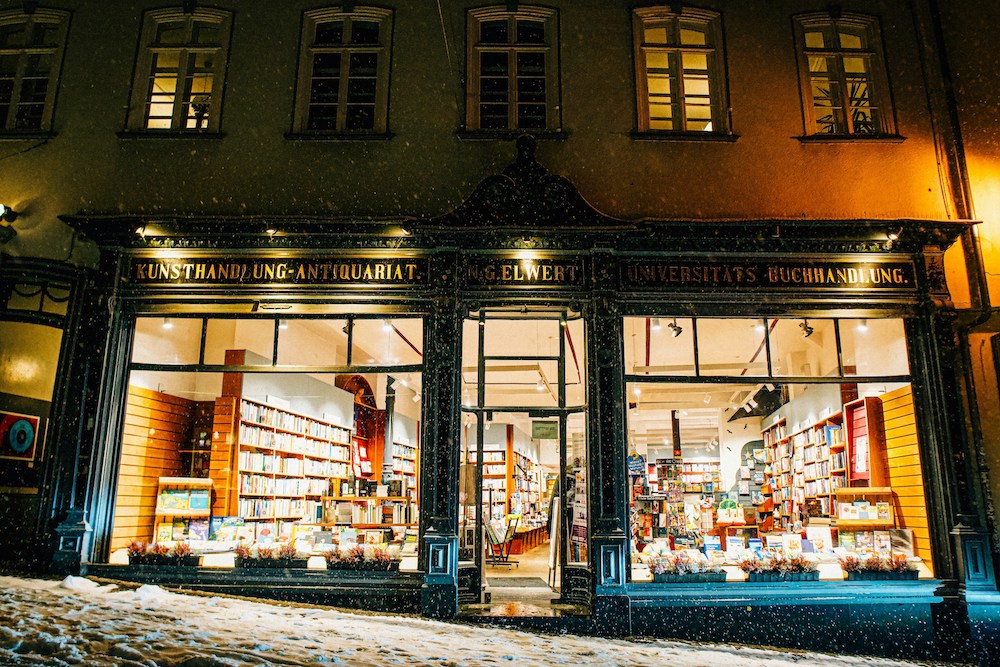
524 520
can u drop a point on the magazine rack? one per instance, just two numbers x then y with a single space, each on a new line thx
499 544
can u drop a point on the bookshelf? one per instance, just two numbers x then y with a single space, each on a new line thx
404 468
369 511
511 483
660 513
179 501
866 456
525 489
282 462
700 477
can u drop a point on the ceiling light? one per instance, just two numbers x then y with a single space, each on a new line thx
167 324
759 327
752 403
540 386
708 399
862 325
654 324
386 326
675 328
637 391
806 329
416 398
282 324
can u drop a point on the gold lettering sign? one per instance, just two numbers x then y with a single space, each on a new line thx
768 274
485 272
376 271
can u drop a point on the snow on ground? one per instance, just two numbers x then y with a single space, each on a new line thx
79 622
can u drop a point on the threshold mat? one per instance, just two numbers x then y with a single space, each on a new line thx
517 582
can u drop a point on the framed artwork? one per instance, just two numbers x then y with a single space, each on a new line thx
19 436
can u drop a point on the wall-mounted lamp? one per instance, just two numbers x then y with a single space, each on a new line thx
708 399
405 231
271 230
675 329
891 238
654 324
7 231
7 214
540 386
140 231
806 329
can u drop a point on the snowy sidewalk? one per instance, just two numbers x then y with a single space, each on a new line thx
79 622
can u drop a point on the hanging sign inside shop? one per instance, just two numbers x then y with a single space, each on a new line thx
768 274
515 272
544 430
374 271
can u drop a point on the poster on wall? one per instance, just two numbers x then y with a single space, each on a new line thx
19 436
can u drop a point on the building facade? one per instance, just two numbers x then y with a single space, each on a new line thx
649 281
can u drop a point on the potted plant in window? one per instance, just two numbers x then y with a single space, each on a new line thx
285 556
359 558
685 568
779 567
876 567
181 555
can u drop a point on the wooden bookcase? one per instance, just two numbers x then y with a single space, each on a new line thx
867 462
166 512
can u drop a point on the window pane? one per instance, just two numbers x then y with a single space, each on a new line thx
493 32
360 116
576 363
530 32
364 32
331 32
531 116
693 36
656 35
364 64
13 35
534 337
528 383
167 340
577 486
388 342
695 61
312 342
326 65
731 347
240 342
797 354
850 40
170 32
657 60
874 347
205 33
652 348
814 39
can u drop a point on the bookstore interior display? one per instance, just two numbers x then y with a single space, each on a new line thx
261 459
754 467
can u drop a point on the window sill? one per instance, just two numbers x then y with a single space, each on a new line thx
510 135
339 136
33 135
653 135
851 138
169 134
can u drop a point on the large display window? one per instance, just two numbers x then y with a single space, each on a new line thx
268 440
773 449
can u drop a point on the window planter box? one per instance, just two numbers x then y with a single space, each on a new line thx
364 566
273 563
864 575
777 576
693 578
150 559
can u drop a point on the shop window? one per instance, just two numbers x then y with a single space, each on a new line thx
180 71
40 297
873 347
680 70
803 348
167 340
842 76
344 71
388 341
31 49
732 347
215 457
513 65
750 472
658 346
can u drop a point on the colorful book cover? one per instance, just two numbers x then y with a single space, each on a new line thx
863 509
246 533
198 529
865 540
199 499
180 530
734 545
174 499
820 537
164 531
848 542
713 543
265 532
774 542
791 543
882 542
901 540
883 511
755 544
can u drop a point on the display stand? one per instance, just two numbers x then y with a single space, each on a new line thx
180 498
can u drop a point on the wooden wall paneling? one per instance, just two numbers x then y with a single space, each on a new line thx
904 468
223 467
157 426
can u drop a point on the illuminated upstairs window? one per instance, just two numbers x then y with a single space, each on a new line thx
31 47
180 71
842 73
680 74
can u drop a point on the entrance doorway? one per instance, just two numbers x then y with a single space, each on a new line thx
523 517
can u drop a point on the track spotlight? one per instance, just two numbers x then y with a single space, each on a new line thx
675 329
806 329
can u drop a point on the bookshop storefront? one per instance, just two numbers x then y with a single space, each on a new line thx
748 425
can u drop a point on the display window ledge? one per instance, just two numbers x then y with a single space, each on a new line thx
646 594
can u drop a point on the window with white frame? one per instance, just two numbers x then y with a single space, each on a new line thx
842 73
180 71
513 64
344 71
680 72
31 47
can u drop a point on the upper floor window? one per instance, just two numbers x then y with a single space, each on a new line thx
842 72
680 74
344 71
31 47
180 70
513 64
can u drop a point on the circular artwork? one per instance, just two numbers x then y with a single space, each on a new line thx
21 436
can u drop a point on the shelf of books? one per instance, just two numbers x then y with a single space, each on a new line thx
404 468
182 508
700 477
804 466
525 487
866 518
282 463
660 513
370 511
496 477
